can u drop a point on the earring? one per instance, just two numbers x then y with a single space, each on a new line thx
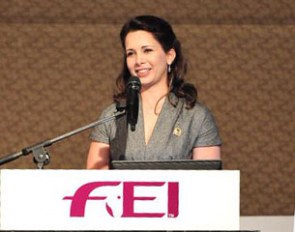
169 68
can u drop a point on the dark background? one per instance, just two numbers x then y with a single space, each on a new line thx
59 61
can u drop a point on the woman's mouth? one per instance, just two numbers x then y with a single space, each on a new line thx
142 72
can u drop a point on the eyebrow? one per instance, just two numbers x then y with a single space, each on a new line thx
144 46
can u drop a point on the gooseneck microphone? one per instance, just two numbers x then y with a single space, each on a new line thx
133 90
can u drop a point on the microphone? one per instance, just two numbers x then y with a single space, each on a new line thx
133 89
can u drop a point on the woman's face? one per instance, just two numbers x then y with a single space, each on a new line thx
147 60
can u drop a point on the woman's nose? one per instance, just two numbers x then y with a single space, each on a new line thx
139 59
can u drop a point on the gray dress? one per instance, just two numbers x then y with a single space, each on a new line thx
177 131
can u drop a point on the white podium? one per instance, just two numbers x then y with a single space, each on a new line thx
119 200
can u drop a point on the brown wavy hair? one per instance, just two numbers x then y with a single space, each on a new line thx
163 33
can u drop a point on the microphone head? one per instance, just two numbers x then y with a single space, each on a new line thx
133 89
134 83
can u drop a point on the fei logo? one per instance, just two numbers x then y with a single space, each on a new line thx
130 198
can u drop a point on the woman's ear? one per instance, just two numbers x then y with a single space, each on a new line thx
170 56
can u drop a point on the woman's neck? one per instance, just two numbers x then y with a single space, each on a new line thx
154 99
153 94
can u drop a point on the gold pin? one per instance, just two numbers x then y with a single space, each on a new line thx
177 131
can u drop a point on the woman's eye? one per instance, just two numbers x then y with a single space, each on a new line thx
129 54
147 50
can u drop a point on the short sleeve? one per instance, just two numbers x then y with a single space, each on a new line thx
208 135
103 133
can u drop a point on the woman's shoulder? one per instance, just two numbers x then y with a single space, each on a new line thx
109 110
198 108
198 113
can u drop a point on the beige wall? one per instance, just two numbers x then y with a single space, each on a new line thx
59 60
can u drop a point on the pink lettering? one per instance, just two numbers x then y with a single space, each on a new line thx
129 198
173 199
81 196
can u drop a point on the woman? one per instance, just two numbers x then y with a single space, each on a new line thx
172 125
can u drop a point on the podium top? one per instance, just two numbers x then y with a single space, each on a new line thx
166 165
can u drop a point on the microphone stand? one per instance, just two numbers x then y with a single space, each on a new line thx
41 156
